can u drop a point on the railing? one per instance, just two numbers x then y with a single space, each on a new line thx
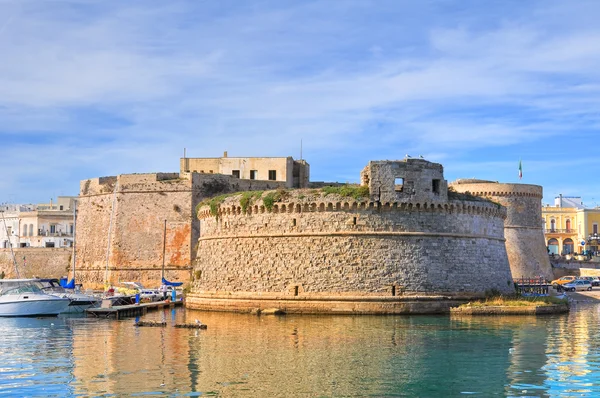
532 286
559 231
55 234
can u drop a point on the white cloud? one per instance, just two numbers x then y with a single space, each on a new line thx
115 86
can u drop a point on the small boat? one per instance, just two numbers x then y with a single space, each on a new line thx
25 297
79 301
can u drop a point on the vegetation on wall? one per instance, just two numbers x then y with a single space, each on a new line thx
357 192
269 199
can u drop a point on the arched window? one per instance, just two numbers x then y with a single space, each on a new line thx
568 246
25 230
568 225
553 246
552 225
30 229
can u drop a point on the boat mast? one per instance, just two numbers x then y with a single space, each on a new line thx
164 250
112 212
74 231
12 253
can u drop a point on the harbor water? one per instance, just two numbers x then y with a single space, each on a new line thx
312 356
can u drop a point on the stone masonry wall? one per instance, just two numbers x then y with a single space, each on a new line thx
353 248
143 203
39 261
525 242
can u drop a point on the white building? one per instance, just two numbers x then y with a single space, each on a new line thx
42 225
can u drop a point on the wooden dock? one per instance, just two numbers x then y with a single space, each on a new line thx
124 311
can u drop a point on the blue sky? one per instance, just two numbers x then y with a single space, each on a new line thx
91 88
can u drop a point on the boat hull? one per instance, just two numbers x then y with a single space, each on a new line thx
18 306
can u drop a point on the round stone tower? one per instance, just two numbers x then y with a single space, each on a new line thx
525 244
398 244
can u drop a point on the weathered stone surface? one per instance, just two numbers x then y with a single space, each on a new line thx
338 247
39 262
141 204
525 244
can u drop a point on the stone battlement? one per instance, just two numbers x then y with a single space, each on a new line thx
485 188
234 207
133 182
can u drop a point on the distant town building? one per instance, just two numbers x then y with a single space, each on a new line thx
295 173
41 225
569 227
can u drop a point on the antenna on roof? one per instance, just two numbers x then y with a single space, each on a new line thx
300 148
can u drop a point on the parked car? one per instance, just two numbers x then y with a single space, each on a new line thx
596 281
587 278
579 284
563 280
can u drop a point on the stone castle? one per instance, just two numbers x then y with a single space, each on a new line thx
402 242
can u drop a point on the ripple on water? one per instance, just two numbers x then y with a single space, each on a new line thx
243 355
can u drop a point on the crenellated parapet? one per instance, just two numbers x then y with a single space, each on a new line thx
472 208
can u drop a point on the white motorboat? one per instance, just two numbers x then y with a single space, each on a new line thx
25 297
79 301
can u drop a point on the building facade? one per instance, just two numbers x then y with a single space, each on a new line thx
569 227
294 173
41 225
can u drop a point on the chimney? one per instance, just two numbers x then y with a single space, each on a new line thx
225 154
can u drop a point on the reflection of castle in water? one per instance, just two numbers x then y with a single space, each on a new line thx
242 354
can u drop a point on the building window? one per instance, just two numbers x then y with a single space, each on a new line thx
253 174
30 229
399 184
235 173
435 186
71 229
568 225
272 175
25 230
61 207
552 225
595 228
9 231
53 229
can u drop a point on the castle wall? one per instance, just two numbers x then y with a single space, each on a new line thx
332 250
39 261
143 203
525 242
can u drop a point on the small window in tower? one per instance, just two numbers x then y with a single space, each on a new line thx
272 175
253 174
235 173
435 186
399 184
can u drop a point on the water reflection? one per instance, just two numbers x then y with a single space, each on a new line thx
244 355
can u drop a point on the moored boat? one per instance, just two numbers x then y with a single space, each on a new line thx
79 301
25 297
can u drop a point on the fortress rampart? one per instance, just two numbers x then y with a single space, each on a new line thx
135 213
313 252
525 243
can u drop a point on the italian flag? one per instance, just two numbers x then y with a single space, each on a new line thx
520 170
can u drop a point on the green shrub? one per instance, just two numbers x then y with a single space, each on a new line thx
357 192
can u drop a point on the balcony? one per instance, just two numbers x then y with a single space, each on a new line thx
560 231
